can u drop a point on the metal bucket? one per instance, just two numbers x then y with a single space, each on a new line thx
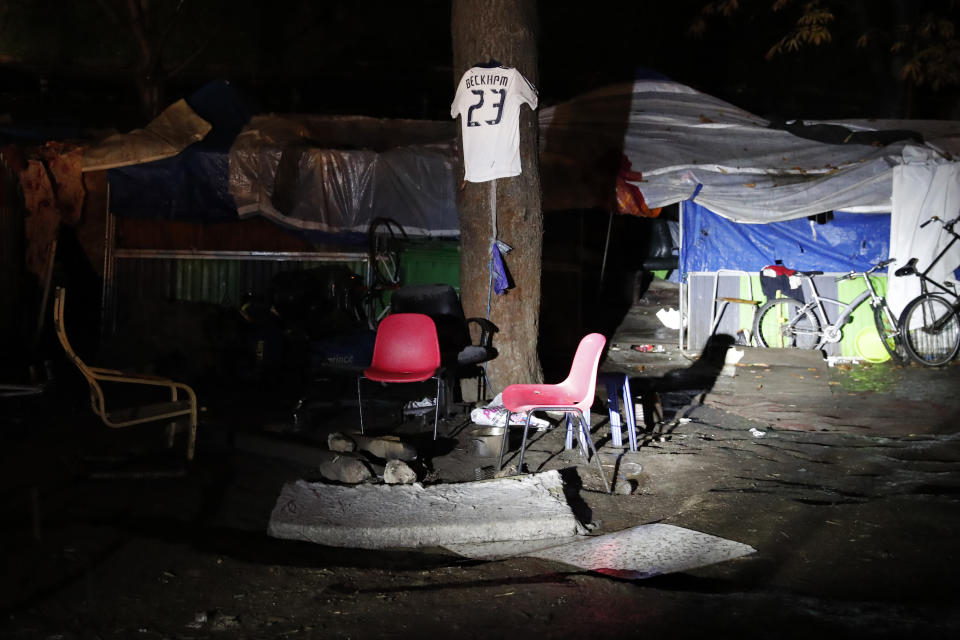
485 442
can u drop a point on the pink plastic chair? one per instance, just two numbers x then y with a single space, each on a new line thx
406 350
574 395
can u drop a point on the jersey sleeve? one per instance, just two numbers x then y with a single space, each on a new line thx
455 105
526 92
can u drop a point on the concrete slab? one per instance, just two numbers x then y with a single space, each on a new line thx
641 552
387 516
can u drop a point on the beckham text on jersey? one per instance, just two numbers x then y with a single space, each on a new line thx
486 80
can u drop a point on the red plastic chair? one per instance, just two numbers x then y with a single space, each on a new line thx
574 395
406 350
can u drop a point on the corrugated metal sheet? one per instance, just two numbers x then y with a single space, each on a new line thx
216 278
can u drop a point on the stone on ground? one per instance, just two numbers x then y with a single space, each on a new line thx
339 442
386 447
398 472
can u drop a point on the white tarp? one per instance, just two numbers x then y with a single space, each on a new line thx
338 173
922 190
749 170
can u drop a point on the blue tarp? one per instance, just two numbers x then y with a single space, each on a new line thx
192 186
846 242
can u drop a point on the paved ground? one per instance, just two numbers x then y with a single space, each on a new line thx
845 480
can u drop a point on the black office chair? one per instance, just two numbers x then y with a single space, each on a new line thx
459 355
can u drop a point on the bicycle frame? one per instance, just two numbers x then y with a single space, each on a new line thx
924 275
925 278
832 331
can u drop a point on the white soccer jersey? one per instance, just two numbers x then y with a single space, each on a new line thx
488 100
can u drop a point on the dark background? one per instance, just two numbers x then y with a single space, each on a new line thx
66 63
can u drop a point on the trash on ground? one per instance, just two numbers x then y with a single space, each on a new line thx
730 361
415 407
648 348
494 414
756 433
384 516
669 317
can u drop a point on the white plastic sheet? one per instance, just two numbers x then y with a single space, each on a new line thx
338 173
922 190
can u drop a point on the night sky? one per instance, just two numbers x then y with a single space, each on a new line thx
393 59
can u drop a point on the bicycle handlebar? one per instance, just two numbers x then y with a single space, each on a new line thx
857 274
946 225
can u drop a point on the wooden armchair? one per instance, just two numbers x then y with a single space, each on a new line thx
182 403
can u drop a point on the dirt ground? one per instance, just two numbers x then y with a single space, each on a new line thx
854 526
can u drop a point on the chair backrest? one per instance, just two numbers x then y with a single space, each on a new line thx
406 342
440 302
581 382
59 300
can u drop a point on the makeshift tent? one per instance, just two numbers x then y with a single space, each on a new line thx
688 145
669 142
321 175
736 173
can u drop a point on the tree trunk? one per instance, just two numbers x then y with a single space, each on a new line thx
503 30
150 90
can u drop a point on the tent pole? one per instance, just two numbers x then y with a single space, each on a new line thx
606 248
107 319
681 278
47 280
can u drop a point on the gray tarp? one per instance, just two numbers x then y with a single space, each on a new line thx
750 170
337 173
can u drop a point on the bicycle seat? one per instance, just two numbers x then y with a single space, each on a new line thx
810 273
908 269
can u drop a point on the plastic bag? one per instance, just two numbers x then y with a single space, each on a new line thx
494 414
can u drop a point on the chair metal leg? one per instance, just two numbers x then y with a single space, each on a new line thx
631 416
523 443
360 403
191 437
436 409
583 442
585 427
503 441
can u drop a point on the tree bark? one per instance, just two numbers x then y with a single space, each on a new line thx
506 31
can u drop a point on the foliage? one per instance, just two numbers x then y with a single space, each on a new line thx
919 36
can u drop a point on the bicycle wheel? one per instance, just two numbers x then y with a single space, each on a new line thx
889 332
783 322
385 239
931 330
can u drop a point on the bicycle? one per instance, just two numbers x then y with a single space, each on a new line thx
930 323
788 322
385 242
